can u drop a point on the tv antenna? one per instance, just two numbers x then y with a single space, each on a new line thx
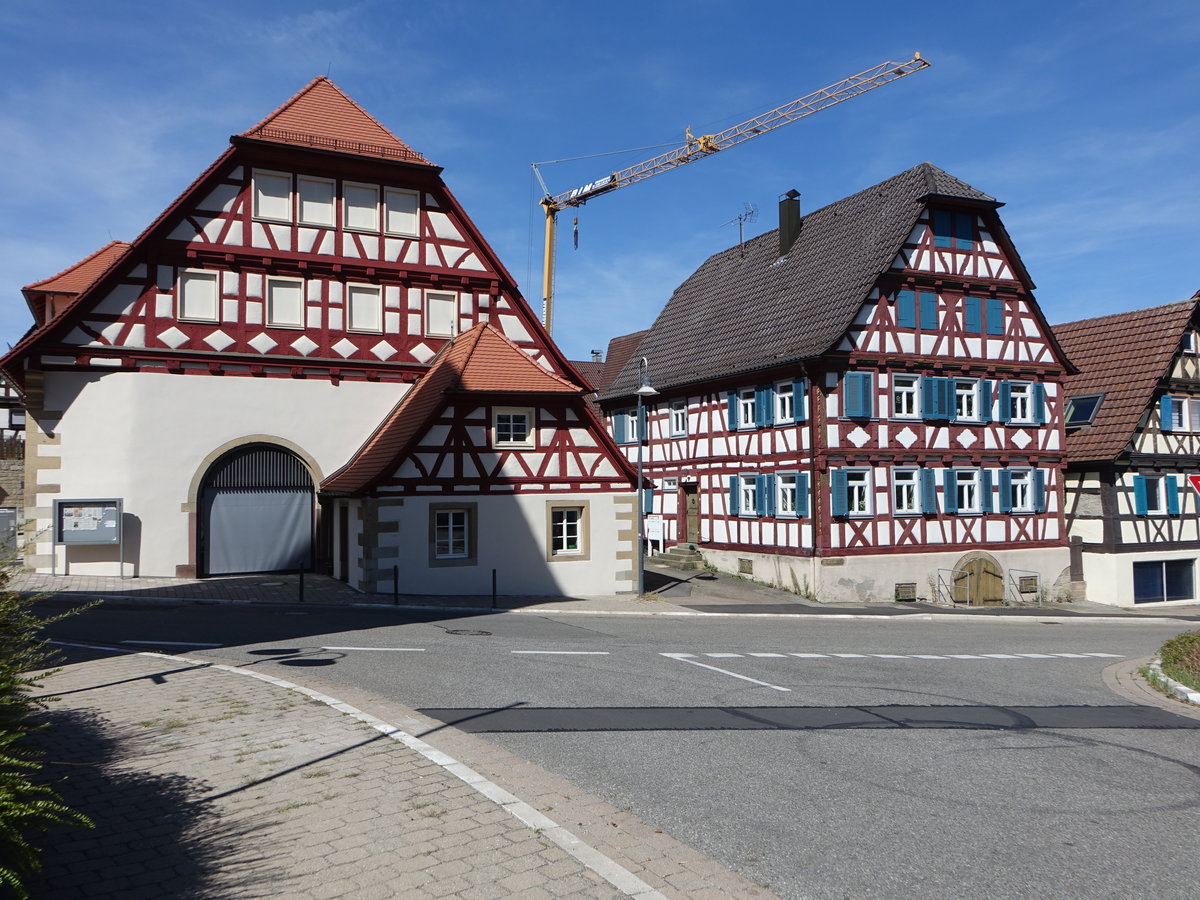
748 215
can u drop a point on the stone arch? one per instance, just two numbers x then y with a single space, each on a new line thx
978 579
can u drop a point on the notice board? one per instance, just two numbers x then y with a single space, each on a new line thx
87 522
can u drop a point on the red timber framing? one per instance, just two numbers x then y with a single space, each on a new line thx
925 411
299 253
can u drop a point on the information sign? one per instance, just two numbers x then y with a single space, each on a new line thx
654 527
87 522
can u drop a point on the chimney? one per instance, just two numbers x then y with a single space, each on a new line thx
597 356
789 220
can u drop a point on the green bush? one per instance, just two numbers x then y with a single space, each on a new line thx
25 806
1181 659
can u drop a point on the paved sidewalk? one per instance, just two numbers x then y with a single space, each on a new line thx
207 782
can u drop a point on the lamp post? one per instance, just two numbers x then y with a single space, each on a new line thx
643 391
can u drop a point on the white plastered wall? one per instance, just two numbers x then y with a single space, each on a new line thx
143 437
511 537
1109 576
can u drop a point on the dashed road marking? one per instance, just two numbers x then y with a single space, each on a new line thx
559 652
691 660
381 649
171 644
833 655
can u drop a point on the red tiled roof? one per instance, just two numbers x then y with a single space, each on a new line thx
83 274
481 360
1124 357
323 117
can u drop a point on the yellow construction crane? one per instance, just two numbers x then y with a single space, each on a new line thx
695 148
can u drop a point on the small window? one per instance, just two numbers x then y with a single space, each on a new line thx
568 532
272 196
785 497
906 492
748 495
452 534
1162 580
285 302
401 213
1082 410
966 490
966 400
316 201
905 397
746 412
1021 487
1191 346
16 418
362 207
441 312
512 427
785 403
1020 404
365 308
678 418
198 296
858 492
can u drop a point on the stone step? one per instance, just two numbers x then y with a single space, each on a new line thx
681 557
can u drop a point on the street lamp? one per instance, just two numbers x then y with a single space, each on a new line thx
644 391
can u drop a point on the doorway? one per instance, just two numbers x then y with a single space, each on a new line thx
978 580
691 512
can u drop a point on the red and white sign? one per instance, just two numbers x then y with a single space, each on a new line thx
1195 480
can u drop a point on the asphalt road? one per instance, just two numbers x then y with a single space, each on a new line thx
825 758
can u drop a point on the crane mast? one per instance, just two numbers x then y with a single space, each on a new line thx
694 148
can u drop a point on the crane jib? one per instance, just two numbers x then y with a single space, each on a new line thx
582 194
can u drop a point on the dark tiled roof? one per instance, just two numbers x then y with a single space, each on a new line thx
1123 357
480 360
746 310
592 372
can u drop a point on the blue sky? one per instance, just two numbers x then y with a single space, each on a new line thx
1082 117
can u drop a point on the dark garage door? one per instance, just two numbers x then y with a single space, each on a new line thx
256 513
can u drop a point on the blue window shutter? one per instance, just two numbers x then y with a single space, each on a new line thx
973 315
867 387
733 495
985 401
964 231
985 488
1004 396
906 309
1164 413
619 418
950 491
641 424
764 494
799 395
929 398
838 497
648 500
802 494
929 311
995 315
1005 491
764 405
859 399
1172 488
1038 399
1139 495
733 409
928 491
942 225
1039 490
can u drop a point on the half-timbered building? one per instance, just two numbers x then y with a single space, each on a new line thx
864 404
215 370
490 467
1133 447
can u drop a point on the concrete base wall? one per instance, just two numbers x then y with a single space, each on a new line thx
1109 576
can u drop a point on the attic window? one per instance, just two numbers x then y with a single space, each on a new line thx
1082 411
955 230
272 196
1190 345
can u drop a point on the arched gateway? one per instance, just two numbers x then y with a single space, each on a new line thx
256 513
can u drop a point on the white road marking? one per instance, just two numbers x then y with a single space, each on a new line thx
1074 655
926 656
1106 655
810 655
888 656
724 655
964 656
774 655
382 649
999 656
171 643
850 655
686 657
1036 655
561 652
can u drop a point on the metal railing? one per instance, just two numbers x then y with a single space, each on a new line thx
946 593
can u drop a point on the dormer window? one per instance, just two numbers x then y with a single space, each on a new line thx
1190 345
1082 410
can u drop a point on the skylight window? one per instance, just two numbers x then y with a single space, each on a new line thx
1082 410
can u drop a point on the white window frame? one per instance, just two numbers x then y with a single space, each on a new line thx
388 195
1191 346
1020 397
272 320
785 403
679 411
910 392
906 485
457 525
330 220
448 297
1156 495
1021 481
966 400
356 295
503 418
967 488
563 521
787 486
860 494
347 188
187 276
746 402
265 176
748 495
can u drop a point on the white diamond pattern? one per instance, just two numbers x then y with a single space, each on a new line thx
422 353
967 439
304 345
345 347
1021 438
262 343
384 350
218 340
173 338
905 437
858 437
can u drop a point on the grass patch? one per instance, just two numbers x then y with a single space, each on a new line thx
1181 659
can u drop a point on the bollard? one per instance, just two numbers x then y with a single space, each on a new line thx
395 585
493 588
301 585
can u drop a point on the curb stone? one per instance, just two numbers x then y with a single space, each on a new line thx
1181 691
